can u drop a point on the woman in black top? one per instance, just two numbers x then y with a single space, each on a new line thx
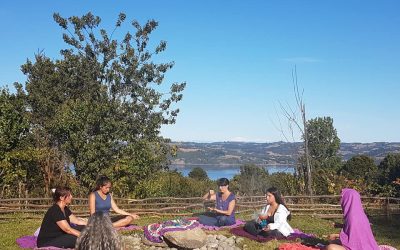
56 229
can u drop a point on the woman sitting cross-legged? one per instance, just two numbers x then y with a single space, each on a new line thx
99 234
272 221
101 201
356 233
224 212
56 229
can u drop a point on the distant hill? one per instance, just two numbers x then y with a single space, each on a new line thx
275 153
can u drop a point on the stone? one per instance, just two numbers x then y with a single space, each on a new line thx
193 238
239 240
212 245
230 241
153 244
221 237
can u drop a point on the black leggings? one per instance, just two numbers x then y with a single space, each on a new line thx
63 241
255 229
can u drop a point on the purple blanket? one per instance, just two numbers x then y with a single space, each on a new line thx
238 223
30 241
239 231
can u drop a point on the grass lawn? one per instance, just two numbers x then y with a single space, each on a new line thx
385 229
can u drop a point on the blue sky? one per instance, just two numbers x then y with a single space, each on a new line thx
237 58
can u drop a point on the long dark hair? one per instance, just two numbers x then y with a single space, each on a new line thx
278 198
61 192
99 233
102 181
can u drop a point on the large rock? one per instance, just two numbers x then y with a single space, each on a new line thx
193 238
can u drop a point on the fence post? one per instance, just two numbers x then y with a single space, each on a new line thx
387 207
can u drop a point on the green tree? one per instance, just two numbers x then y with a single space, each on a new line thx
389 168
323 145
103 103
16 166
252 180
198 173
360 167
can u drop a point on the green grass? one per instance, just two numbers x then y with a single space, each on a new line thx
385 230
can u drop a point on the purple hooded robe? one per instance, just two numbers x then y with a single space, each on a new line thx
356 233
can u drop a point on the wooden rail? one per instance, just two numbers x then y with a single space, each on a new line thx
326 206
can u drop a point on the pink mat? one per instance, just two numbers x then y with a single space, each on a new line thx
239 231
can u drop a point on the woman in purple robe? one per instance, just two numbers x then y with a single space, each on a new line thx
356 233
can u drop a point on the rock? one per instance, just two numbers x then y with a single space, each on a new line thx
212 245
194 238
221 237
153 244
230 241
239 240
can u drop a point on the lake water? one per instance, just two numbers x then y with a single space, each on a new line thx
216 172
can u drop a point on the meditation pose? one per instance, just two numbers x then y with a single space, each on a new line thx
356 233
56 229
101 201
224 212
99 234
272 221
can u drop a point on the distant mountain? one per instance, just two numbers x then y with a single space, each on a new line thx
275 153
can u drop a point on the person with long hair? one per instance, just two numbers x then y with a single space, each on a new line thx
224 212
56 229
356 233
272 221
100 200
99 234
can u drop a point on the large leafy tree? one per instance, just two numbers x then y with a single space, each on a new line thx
198 173
104 101
323 142
389 169
252 180
360 167
14 129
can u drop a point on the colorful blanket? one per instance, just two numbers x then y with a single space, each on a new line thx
154 232
211 228
239 231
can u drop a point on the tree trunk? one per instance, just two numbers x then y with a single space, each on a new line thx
307 154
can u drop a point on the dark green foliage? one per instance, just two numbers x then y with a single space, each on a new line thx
389 175
323 146
287 183
252 180
99 108
14 125
360 167
198 173
102 103
389 168
323 143
172 184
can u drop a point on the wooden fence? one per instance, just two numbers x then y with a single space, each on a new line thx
325 206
